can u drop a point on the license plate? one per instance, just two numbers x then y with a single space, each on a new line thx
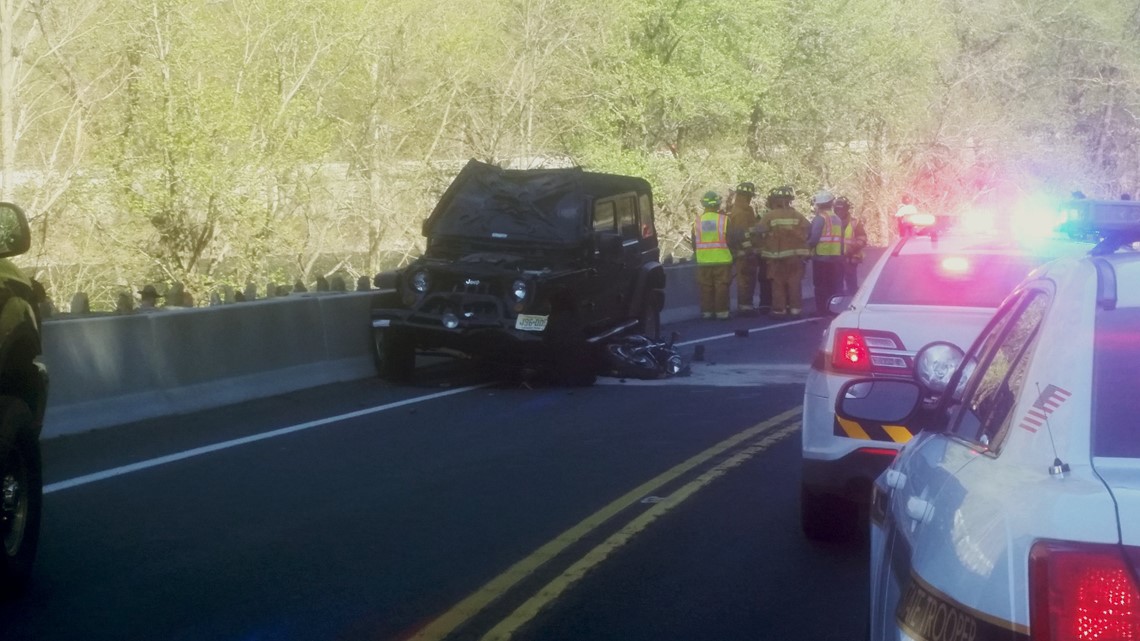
530 323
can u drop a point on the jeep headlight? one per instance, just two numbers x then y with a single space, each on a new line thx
421 282
519 290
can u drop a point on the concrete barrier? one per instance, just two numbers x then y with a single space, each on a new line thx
110 370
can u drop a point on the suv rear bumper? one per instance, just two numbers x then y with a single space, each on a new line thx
849 477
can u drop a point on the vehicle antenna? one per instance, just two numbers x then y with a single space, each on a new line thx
1057 469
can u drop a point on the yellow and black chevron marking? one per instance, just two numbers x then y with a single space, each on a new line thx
871 431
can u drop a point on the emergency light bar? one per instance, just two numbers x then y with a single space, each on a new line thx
1113 222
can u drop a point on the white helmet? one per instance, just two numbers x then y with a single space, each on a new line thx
824 197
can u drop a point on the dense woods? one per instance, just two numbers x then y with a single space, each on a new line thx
220 142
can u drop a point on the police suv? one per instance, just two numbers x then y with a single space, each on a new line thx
1014 513
940 284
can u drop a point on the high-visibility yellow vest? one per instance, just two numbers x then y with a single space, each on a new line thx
711 239
830 240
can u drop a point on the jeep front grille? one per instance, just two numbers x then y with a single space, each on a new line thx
482 286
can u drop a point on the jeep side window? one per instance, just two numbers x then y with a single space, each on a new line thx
604 216
645 207
627 217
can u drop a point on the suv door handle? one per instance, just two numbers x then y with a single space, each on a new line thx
919 509
896 480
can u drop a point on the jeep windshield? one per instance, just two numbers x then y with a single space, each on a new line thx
487 203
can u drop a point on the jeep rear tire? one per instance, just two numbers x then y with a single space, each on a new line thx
394 358
650 320
21 495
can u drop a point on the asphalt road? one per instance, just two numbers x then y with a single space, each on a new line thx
467 506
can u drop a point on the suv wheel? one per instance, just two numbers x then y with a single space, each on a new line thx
21 495
824 517
395 359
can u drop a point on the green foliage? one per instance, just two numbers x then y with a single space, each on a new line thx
250 140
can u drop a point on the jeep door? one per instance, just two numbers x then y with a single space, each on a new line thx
618 216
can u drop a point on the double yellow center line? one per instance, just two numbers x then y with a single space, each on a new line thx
749 442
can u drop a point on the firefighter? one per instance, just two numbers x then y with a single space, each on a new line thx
714 258
825 243
783 247
741 221
853 238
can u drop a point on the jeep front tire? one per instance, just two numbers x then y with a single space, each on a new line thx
394 358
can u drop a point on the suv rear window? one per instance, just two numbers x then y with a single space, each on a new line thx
949 280
1116 363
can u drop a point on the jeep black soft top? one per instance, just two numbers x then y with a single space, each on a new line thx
547 206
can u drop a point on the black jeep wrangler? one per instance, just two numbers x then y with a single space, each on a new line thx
23 397
528 267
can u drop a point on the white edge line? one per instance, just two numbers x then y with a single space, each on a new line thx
751 330
207 449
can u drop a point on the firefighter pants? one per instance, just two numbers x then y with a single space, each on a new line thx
712 280
752 279
850 277
786 276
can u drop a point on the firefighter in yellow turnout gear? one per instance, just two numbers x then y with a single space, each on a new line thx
784 248
744 242
714 258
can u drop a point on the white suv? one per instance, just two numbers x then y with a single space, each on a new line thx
923 288
1015 512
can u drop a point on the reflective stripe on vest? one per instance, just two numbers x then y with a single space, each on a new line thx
830 243
712 239
783 222
781 239
785 253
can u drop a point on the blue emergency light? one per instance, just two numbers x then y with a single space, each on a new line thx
1113 223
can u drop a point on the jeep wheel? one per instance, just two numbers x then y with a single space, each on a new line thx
21 495
651 315
824 517
395 359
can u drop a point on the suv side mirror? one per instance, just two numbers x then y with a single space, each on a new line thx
879 400
839 304
15 237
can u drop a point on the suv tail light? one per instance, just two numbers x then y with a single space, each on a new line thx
859 350
850 351
1083 591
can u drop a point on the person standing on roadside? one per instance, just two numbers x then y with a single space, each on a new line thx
714 258
741 219
783 247
903 215
826 245
853 239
